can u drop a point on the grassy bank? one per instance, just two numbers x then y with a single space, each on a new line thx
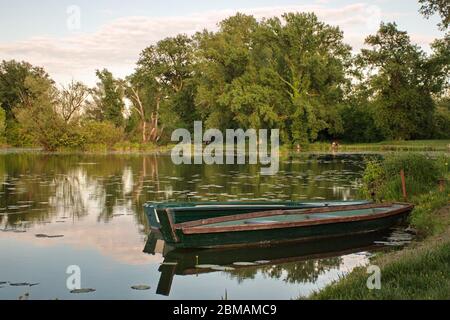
412 145
129 147
123 147
422 270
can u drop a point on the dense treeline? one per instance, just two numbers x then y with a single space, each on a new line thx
294 73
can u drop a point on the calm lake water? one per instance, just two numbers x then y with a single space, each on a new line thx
91 206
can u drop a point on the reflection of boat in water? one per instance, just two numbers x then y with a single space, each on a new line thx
279 226
190 211
155 244
191 262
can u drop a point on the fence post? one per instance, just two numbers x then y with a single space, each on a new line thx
402 175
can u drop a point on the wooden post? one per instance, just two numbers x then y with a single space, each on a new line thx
441 185
402 175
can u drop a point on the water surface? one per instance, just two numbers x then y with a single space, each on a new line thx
58 211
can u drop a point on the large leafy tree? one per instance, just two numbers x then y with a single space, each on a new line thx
108 98
440 7
309 59
145 95
164 73
401 79
13 84
16 92
439 64
223 58
442 118
38 120
170 60
254 95
286 73
72 101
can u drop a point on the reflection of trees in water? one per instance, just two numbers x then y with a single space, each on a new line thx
293 272
76 194
73 186
106 185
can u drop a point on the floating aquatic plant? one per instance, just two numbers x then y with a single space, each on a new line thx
140 287
87 290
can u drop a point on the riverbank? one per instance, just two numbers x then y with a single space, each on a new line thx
412 145
121 148
421 271
385 146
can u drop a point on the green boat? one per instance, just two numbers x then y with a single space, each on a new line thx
280 226
191 211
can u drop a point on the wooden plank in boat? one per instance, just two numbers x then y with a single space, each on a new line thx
276 212
202 229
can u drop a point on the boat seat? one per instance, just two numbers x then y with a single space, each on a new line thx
259 221
323 216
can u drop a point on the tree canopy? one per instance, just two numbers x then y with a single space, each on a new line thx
440 7
294 73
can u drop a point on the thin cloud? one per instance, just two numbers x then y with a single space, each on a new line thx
117 45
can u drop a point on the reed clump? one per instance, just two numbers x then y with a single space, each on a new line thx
382 182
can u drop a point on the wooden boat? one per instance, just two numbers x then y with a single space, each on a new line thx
190 211
278 226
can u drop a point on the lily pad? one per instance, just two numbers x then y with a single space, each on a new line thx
206 266
222 268
87 290
48 236
169 263
140 287
244 264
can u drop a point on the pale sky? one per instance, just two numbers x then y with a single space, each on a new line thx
111 34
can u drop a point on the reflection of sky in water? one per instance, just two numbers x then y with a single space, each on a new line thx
46 265
96 203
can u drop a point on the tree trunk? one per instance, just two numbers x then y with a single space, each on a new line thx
144 131
158 102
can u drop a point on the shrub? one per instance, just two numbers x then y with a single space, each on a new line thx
442 119
101 133
16 135
2 125
43 126
127 146
373 179
381 180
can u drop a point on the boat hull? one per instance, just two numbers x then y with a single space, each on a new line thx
179 238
